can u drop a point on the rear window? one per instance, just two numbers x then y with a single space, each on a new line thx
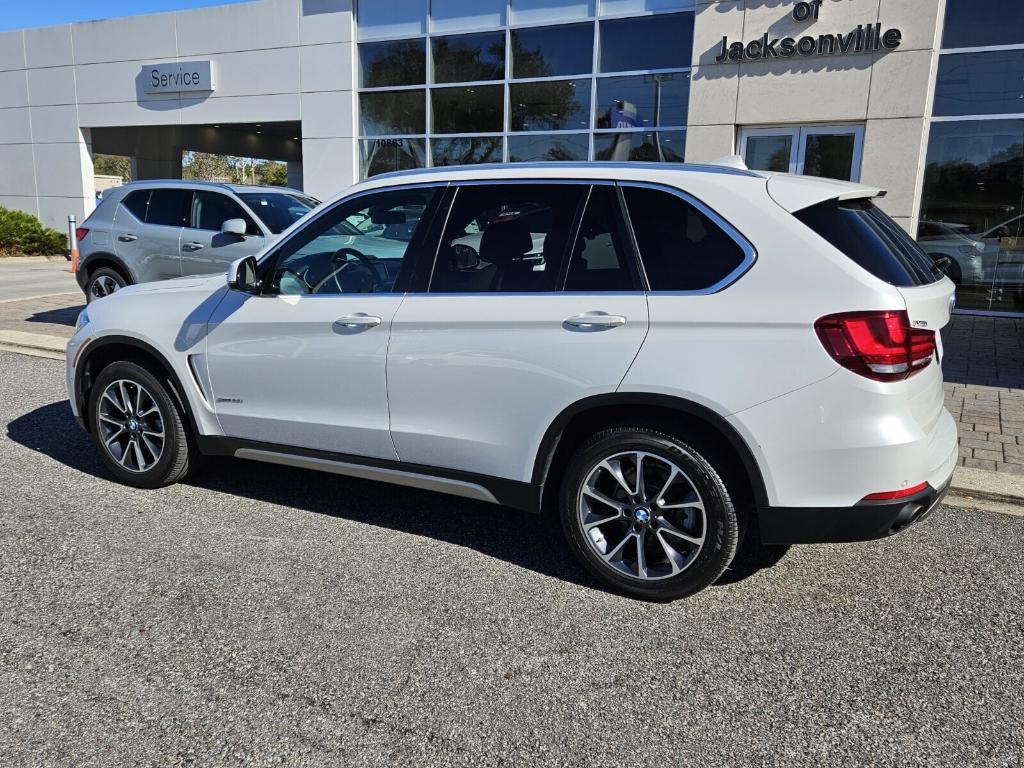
869 237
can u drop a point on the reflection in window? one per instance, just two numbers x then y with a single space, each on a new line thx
829 155
470 109
655 147
398 62
768 153
550 105
548 147
643 101
468 58
386 155
466 150
390 112
994 22
972 209
551 51
983 83
648 42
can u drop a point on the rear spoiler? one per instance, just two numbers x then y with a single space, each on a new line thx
794 193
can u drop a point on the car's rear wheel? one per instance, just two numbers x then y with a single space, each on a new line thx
103 282
138 427
647 514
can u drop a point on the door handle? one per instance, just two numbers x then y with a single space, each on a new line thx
594 320
358 320
127 238
191 246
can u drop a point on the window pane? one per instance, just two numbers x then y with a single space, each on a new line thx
535 11
973 187
169 207
476 109
466 58
390 112
211 209
769 153
506 237
358 247
656 147
399 62
600 260
994 22
454 15
572 146
386 155
466 150
985 83
829 155
610 7
550 51
649 42
643 101
391 18
681 248
550 105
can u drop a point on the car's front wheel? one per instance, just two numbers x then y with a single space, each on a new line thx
647 514
138 427
103 282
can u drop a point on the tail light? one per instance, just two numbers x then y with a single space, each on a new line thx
80 234
878 345
900 494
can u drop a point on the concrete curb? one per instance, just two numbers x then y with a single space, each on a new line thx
36 344
32 259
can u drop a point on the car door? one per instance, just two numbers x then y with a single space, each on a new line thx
204 248
303 362
505 335
146 231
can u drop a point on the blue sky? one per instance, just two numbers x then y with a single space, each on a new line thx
16 14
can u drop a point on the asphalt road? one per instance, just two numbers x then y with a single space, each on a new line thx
265 616
27 278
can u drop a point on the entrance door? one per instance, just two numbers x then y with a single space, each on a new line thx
831 151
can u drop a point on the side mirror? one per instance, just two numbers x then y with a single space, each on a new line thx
234 227
242 274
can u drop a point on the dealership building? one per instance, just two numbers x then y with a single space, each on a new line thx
924 98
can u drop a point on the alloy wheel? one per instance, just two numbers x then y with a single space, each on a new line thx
130 425
642 515
103 285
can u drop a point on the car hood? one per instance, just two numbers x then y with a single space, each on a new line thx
212 282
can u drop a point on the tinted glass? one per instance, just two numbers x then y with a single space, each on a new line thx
644 101
656 147
277 210
524 149
169 207
768 153
650 42
994 22
475 109
681 248
211 209
551 51
600 260
984 83
136 202
467 58
466 150
829 155
386 155
358 247
871 239
550 105
389 112
397 62
507 238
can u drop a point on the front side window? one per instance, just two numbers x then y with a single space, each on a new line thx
508 238
169 207
681 248
359 246
278 210
211 209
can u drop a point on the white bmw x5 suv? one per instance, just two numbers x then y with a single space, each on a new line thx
666 356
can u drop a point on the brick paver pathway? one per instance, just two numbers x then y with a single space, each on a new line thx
54 315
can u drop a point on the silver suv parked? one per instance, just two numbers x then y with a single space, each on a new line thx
155 230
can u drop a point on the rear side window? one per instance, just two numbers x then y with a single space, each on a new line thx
869 237
169 207
681 248
600 260
136 202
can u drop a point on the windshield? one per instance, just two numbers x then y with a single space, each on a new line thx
278 210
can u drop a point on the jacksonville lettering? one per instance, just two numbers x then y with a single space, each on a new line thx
863 39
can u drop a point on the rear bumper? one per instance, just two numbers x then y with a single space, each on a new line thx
862 522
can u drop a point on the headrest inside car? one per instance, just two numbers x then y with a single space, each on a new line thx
504 241
385 217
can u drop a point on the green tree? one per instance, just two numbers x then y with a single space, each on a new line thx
112 165
204 166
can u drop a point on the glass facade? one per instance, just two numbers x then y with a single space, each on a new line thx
972 205
556 80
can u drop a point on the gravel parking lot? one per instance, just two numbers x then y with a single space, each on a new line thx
262 616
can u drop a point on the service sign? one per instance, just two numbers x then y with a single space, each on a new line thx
178 77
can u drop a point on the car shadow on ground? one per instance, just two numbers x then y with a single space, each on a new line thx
516 537
62 316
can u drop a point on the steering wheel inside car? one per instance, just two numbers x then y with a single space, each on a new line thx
377 283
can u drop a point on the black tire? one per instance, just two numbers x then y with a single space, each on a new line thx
101 281
720 528
176 455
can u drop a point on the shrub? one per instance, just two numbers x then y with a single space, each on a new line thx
22 233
